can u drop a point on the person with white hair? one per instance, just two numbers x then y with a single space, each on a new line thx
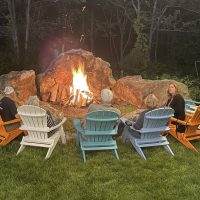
8 109
106 99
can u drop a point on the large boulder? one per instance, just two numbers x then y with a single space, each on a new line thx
55 83
134 89
22 81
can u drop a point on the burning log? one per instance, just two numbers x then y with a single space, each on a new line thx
79 99
80 95
76 100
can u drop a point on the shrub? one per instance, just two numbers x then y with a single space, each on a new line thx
190 81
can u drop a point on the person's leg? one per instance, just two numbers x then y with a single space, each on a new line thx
120 129
11 127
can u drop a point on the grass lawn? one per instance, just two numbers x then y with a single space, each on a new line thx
66 176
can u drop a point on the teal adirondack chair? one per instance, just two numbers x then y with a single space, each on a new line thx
190 106
155 123
101 125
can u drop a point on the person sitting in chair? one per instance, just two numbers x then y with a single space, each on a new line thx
176 101
34 101
151 102
8 109
105 104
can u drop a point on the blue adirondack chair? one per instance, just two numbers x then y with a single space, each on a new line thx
155 123
190 106
101 125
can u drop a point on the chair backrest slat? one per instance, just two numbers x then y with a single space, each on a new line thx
101 122
34 117
196 117
155 121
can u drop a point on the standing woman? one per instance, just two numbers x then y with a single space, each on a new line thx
176 102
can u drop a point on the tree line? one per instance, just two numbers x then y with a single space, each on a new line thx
135 36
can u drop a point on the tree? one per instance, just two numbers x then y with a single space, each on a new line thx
117 27
11 8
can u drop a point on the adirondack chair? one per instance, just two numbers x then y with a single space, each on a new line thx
155 123
101 125
35 123
190 106
5 136
192 131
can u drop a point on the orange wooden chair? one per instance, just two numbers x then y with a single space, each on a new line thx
6 137
192 131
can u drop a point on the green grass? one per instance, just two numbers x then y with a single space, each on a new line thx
66 176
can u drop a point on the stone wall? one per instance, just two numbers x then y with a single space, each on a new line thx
55 82
133 90
23 83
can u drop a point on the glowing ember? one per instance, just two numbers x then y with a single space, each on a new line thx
80 94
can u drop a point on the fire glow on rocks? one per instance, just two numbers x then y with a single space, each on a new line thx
80 94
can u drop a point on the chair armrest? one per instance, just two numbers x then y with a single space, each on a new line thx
77 126
172 119
59 125
11 121
188 115
123 119
99 133
136 130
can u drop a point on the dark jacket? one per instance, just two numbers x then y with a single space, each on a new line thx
8 109
178 104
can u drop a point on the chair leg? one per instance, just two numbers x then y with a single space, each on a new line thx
49 152
2 139
168 149
140 152
123 140
77 139
22 147
138 149
183 140
84 156
124 135
116 154
62 135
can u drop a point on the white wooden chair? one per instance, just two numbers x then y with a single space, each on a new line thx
35 123
155 123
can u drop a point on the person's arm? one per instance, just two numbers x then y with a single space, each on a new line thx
134 119
139 123
91 108
179 107
83 123
17 116
12 107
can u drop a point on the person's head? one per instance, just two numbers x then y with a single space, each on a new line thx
33 100
9 91
151 101
106 96
172 90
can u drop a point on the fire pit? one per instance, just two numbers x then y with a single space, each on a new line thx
80 94
75 78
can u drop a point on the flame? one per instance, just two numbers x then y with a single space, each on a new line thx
80 89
